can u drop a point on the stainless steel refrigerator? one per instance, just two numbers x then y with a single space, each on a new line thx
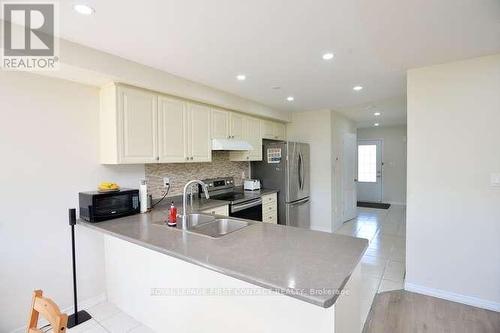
285 167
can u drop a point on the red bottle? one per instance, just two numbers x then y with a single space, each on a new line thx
172 215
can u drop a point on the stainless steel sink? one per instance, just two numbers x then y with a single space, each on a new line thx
220 227
212 225
196 219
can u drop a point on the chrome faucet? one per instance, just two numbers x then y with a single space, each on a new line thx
204 187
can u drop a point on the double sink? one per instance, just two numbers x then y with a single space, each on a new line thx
212 225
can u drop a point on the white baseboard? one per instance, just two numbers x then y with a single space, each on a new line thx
82 305
454 297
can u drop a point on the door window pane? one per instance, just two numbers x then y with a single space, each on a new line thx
367 163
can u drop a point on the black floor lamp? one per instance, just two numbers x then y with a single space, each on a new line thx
79 316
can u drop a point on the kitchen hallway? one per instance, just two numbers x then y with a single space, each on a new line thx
383 264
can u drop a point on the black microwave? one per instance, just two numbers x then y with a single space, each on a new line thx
101 206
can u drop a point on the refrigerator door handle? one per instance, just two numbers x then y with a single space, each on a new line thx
299 171
299 202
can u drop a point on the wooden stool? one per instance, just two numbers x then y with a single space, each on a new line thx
49 310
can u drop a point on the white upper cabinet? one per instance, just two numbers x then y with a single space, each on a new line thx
272 130
220 124
172 130
236 125
138 126
254 137
199 148
279 131
251 132
128 126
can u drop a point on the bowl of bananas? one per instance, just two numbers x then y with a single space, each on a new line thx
108 187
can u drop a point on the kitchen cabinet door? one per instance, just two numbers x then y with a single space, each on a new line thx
137 126
172 130
279 131
267 129
236 126
254 137
251 134
220 124
272 130
199 141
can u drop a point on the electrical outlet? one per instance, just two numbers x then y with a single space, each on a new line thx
166 181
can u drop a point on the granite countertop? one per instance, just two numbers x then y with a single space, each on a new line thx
309 265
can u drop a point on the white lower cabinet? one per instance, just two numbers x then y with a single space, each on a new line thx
270 208
222 210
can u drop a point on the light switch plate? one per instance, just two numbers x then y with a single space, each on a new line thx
495 179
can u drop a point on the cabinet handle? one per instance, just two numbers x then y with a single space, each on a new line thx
191 158
187 158
157 158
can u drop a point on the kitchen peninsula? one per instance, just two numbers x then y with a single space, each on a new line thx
262 278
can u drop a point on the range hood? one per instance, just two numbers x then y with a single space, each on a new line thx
230 144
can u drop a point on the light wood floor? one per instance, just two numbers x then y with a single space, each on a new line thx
401 311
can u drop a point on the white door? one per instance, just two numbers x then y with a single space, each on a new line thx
349 198
370 170
199 143
137 119
172 130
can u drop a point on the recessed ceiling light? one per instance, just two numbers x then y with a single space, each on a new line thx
327 56
290 98
83 9
376 124
241 77
376 114
357 88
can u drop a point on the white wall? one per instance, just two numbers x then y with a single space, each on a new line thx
340 126
453 214
315 128
49 148
323 130
394 159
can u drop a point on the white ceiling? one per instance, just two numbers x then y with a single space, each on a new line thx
281 42
392 112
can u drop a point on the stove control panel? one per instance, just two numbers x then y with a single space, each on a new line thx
217 184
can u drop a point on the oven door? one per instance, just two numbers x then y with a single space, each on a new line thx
250 210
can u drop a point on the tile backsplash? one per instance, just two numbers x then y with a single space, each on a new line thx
181 173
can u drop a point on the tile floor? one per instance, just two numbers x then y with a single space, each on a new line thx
382 269
107 318
383 265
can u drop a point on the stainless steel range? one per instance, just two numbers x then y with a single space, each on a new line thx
241 204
